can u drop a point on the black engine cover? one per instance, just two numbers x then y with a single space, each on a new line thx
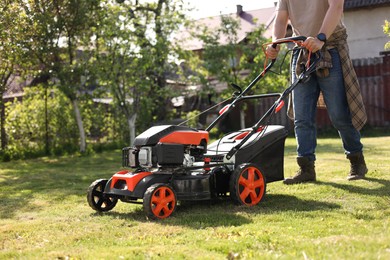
170 154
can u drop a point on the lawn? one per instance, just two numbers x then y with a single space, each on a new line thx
44 214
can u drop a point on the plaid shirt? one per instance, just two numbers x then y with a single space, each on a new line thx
352 87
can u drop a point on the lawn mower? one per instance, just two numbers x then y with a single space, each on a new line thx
171 163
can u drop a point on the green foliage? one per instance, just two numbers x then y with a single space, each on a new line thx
386 30
57 32
101 125
144 50
121 51
228 62
120 68
215 133
254 60
192 118
132 58
12 33
221 60
26 124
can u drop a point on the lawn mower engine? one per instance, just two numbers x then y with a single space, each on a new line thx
166 146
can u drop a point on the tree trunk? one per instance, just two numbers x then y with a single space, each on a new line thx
80 126
47 145
3 133
3 86
131 121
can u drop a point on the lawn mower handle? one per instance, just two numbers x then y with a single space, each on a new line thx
289 39
301 78
261 75
241 95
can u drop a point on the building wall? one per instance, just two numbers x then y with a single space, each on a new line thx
365 31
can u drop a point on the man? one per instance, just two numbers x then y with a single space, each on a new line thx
321 22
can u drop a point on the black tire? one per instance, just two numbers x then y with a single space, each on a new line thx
247 185
159 201
96 198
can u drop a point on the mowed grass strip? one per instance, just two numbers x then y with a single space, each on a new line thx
44 214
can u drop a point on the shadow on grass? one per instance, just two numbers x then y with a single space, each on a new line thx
222 212
134 214
382 191
225 213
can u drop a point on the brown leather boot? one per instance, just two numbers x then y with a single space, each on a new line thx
305 173
358 166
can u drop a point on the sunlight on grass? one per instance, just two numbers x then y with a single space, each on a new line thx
44 214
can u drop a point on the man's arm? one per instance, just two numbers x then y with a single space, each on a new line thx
331 20
332 17
280 25
278 31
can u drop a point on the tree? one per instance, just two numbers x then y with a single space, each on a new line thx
25 124
154 23
59 39
228 61
222 60
11 52
133 48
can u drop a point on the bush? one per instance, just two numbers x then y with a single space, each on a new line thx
30 130
32 134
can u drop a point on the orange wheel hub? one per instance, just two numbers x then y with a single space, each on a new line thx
159 201
251 186
247 184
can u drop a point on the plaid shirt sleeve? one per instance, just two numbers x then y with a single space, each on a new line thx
352 87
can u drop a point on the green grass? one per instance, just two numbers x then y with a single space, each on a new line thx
44 214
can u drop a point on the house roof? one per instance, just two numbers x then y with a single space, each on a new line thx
354 4
249 20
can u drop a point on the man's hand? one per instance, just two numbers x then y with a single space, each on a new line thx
313 44
272 52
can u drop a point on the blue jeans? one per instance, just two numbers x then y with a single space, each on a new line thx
305 97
